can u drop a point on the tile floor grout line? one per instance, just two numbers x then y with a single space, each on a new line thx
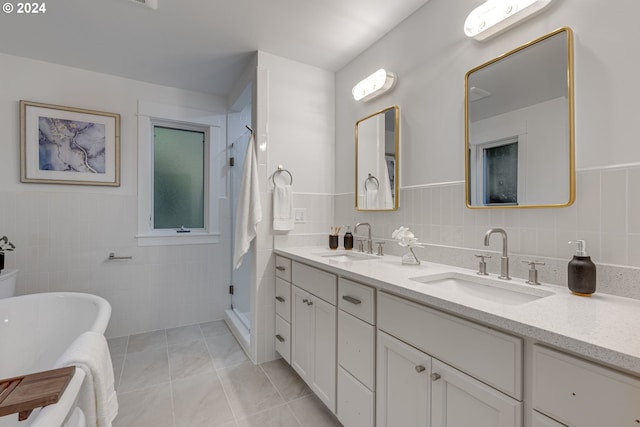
173 406
281 395
226 395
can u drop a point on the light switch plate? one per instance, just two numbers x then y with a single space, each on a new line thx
300 215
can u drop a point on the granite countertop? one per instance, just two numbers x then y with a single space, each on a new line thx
602 327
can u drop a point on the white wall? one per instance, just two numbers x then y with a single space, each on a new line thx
431 55
64 233
295 128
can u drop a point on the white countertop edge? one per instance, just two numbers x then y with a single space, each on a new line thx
584 326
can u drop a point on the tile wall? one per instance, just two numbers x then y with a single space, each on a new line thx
606 214
63 240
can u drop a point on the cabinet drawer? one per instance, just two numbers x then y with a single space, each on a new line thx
283 341
283 268
356 348
355 402
486 354
357 299
318 282
576 392
283 299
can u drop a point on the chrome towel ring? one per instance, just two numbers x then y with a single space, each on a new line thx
280 170
371 178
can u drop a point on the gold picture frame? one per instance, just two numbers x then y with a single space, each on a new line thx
66 145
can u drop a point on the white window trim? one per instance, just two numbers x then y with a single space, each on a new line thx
150 114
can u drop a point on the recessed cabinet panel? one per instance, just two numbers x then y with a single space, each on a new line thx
496 357
355 402
462 401
301 334
576 392
324 368
356 348
403 392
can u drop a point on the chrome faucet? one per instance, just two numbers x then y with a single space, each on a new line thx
504 261
369 240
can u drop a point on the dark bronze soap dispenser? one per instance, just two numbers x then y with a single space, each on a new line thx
582 272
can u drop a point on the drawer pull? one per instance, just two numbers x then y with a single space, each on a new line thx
280 299
352 300
420 368
309 302
435 377
280 268
306 301
279 337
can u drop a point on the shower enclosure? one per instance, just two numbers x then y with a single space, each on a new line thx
239 313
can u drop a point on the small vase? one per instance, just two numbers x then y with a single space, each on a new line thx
410 258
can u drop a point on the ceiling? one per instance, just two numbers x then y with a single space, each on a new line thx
200 45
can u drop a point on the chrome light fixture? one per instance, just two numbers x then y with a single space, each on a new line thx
494 16
375 85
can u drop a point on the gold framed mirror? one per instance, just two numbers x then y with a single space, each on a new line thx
377 155
519 127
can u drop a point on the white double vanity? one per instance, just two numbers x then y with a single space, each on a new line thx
388 345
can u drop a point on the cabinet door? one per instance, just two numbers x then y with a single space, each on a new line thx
324 351
539 420
460 401
301 333
403 387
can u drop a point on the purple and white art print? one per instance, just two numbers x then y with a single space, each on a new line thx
65 145
71 146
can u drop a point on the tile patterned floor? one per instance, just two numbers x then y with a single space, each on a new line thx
199 376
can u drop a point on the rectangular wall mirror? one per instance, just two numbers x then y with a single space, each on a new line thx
377 144
519 127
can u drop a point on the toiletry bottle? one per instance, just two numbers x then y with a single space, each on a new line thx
582 272
348 239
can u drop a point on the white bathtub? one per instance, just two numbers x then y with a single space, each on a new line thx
35 330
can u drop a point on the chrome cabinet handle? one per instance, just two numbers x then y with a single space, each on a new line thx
279 337
352 300
306 301
309 302
435 377
420 368
280 299
280 268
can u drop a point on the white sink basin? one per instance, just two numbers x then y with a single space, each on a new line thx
480 288
344 256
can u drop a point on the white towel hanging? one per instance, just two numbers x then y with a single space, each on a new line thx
283 208
249 210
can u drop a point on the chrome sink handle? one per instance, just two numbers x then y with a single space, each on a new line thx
533 273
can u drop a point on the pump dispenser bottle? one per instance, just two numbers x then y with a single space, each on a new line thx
582 272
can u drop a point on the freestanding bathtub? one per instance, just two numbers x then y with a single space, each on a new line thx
35 330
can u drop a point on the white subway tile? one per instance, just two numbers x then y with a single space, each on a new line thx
614 201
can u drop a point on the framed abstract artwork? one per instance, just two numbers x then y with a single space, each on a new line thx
65 145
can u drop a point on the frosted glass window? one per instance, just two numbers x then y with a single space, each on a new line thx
178 178
501 174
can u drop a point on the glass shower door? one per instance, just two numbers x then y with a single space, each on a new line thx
240 278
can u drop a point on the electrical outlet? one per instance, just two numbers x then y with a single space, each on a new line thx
300 215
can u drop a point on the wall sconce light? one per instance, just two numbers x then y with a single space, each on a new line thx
494 16
374 85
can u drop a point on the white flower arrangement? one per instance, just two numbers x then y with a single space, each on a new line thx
407 239
6 245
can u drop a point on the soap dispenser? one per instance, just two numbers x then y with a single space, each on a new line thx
582 272
348 239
